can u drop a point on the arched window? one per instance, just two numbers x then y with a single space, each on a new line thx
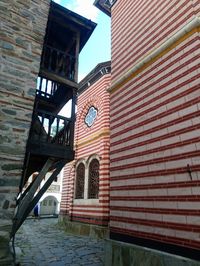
80 180
93 180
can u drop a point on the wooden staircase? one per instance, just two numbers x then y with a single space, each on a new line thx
51 136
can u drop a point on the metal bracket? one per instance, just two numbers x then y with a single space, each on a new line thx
189 171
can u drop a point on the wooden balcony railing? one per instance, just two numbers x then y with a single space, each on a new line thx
53 129
46 88
58 62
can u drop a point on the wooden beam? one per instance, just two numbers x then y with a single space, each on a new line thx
72 125
77 56
23 205
49 181
25 192
52 76
50 149
37 197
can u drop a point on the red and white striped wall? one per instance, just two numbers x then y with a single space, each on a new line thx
90 142
155 121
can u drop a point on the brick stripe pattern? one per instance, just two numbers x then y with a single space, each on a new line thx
90 141
155 125
145 25
67 190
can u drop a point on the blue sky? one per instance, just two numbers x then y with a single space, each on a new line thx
98 48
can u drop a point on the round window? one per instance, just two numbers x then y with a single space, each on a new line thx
91 116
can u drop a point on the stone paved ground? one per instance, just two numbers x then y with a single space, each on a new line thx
42 243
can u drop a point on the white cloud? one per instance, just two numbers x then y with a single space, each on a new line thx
83 7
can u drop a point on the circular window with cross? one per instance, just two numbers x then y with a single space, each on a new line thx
91 116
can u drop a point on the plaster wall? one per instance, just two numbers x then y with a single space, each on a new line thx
90 142
155 121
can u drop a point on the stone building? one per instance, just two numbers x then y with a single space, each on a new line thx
85 195
39 70
154 137
22 33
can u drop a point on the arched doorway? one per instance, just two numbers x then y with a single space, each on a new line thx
49 206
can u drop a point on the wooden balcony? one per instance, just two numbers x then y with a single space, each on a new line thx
46 88
51 136
51 95
58 63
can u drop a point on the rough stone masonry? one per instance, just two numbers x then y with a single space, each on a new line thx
22 30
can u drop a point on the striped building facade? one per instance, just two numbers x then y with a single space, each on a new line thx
91 145
155 125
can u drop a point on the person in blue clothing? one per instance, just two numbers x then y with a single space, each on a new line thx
36 211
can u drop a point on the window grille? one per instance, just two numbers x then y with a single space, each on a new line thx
93 181
80 179
91 116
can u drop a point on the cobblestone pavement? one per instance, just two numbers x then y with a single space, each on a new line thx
42 243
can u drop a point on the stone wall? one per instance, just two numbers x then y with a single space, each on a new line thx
76 228
23 25
121 254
